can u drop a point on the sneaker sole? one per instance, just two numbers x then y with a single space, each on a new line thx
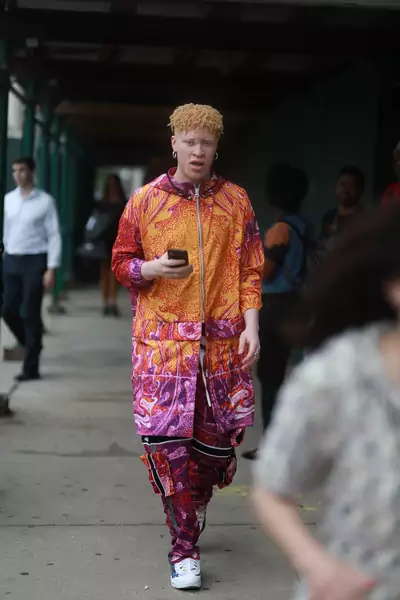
193 586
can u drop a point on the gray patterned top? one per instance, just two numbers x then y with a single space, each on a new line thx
336 432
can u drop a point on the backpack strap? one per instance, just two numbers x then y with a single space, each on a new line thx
291 278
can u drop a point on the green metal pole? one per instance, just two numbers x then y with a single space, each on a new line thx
71 206
28 137
56 177
55 161
4 91
44 151
64 200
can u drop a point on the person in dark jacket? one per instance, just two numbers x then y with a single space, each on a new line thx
284 270
350 187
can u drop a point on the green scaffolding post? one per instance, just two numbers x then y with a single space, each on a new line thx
55 160
28 137
71 205
4 91
64 199
44 151
56 192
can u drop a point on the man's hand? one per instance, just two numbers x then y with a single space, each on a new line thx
166 268
333 580
249 347
49 279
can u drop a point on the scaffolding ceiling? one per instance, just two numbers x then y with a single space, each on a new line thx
115 69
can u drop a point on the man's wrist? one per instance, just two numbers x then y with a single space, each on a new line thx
312 559
147 270
251 319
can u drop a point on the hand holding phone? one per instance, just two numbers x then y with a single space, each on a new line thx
174 264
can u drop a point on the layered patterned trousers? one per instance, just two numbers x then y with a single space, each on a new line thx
184 472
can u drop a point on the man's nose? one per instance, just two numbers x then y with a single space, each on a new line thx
198 150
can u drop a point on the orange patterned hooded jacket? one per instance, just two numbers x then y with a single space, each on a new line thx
216 224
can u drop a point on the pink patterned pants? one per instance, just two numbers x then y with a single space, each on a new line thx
184 472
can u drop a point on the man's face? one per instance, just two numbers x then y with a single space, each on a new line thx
195 153
348 190
22 175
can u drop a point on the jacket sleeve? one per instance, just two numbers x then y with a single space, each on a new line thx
276 244
127 253
251 262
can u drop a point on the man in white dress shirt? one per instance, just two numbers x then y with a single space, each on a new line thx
32 245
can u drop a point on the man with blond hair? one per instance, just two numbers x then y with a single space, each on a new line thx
190 251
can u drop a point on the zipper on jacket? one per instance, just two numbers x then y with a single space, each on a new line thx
203 310
197 198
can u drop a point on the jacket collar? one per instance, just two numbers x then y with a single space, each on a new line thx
168 183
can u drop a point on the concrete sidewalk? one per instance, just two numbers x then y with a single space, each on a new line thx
77 516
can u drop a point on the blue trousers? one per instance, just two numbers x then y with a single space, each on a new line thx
22 304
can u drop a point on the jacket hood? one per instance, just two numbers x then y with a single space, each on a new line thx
168 183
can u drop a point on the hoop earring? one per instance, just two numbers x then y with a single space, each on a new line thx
216 156
174 154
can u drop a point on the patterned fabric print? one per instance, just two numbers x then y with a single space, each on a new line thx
231 388
159 473
336 433
170 184
164 386
167 326
184 473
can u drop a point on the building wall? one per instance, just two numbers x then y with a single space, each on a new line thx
321 130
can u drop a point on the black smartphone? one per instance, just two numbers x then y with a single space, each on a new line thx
179 255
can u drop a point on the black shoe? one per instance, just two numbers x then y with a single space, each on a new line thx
27 377
106 311
251 454
114 311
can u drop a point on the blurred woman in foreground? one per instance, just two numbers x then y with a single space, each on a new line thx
336 429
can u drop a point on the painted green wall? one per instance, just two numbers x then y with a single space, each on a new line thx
329 126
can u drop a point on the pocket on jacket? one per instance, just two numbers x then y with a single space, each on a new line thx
231 388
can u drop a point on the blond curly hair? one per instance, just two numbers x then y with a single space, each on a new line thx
189 117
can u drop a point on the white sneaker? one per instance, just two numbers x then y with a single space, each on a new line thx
186 574
201 518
